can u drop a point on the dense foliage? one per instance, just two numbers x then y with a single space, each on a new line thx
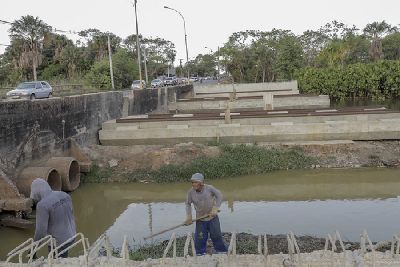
376 80
38 51
336 59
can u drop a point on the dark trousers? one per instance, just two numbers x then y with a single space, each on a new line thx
65 254
203 230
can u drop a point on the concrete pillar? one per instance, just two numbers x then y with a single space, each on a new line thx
228 119
125 107
159 99
268 101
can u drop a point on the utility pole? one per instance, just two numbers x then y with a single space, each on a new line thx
138 46
111 65
145 65
218 61
180 64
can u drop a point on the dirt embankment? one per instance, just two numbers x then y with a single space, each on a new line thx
248 244
127 159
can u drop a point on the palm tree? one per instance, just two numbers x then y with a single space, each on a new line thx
376 31
30 32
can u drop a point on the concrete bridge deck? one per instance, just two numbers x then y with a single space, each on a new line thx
257 126
247 89
250 103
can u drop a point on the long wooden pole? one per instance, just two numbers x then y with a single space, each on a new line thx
175 227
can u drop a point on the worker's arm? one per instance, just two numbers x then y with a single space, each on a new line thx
42 222
188 204
218 196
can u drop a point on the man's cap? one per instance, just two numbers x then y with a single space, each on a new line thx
197 177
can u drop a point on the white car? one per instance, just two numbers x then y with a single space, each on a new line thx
31 90
157 83
136 84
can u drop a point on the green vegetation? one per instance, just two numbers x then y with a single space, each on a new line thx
235 160
97 175
336 59
37 51
374 80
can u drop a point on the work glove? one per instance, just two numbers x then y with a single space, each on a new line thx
188 220
214 212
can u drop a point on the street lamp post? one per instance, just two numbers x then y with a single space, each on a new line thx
184 29
138 47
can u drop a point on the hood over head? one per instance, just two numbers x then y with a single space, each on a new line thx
39 189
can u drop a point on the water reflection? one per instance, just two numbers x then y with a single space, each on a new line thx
315 217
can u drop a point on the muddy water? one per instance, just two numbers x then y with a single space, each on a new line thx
313 202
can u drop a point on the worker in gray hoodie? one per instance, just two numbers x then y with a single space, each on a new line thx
54 213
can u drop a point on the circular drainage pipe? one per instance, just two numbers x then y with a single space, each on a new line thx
29 174
69 170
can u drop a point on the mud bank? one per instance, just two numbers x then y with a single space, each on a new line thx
246 244
142 163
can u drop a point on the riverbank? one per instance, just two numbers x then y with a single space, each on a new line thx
248 244
176 163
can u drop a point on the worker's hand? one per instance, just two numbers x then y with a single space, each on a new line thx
188 220
214 212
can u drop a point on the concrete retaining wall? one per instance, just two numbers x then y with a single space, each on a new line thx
279 102
243 89
32 130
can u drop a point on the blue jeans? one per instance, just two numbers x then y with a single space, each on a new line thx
205 228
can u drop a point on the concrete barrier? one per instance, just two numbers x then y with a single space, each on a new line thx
267 102
289 86
250 130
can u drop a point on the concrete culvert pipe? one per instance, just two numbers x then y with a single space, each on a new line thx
69 170
29 174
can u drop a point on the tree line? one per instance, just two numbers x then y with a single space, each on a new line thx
37 51
336 58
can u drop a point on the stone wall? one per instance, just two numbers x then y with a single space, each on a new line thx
32 130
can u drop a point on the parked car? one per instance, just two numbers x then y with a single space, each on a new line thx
170 81
157 83
194 79
31 90
136 84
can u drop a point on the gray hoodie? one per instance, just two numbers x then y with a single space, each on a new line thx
54 212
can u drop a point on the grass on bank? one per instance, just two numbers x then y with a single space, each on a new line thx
234 160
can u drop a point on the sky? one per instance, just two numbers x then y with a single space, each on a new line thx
209 23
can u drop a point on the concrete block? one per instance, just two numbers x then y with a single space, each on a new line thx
129 127
231 113
282 123
174 126
182 115
229 125
326 110
335 122
278 112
